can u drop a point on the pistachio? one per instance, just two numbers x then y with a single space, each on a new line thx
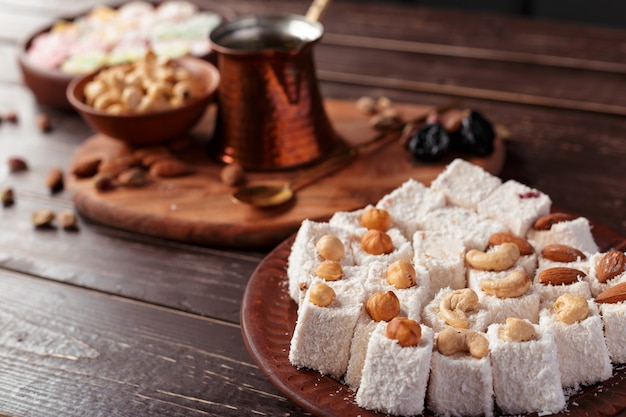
8 197
42 218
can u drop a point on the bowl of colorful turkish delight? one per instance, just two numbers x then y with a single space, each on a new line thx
107 35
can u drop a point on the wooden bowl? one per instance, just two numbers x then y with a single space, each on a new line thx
47 85
152 127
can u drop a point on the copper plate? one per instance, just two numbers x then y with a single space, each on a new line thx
268 317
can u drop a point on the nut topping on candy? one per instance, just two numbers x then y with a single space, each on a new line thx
383 306
612 264
406 331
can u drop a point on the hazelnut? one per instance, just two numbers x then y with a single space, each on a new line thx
67 220
366 105
383 306
321 295
329 270
330 247
401 274
406 331
376 242
377 219
517 330
232 174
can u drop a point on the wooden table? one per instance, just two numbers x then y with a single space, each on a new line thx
106 322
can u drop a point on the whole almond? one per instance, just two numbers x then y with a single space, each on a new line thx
559 276
562 253
115 166
54 180
522 244
613 294
150 159
169 168
546 222
86 168
611 265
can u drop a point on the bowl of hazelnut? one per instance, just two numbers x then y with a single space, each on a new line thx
148 101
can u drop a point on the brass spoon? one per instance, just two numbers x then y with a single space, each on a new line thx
270 195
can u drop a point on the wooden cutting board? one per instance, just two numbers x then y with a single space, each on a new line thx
198 208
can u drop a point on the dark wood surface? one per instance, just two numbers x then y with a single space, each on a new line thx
104 322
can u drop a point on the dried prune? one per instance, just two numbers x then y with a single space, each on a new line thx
429 143
476 135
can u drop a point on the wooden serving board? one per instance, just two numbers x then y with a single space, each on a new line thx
198 208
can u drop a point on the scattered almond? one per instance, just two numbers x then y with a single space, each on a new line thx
86 168
169 168
150 159
546 222
562 253
522 244
54 180
613 294
118 164
559 276
612 264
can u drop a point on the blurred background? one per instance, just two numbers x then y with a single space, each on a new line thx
611 13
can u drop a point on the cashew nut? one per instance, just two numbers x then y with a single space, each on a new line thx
517 330
500 259
455 304
451 341
570 308
514 285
